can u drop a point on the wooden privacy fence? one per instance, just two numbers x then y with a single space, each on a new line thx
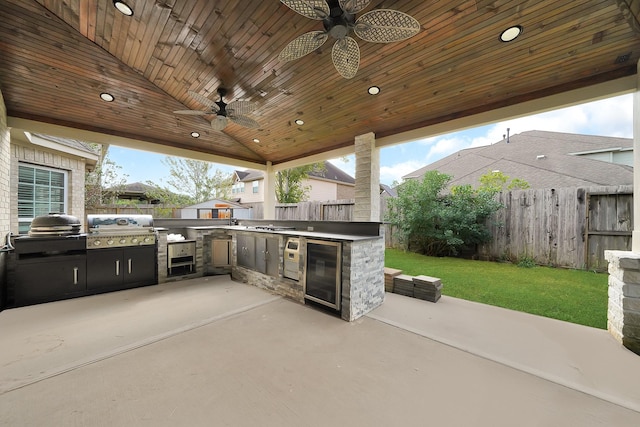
565 227
335 210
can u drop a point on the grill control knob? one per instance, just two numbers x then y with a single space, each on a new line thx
97 243
134 240
110 242
123 241
147 239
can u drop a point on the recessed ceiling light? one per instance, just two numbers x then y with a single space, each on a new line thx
106 97
195 134
373 90
511 33
299 122
256 140
123 7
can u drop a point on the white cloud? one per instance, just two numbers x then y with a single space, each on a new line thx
395 172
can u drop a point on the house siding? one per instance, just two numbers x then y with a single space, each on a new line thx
5 199
38 156
344 192
320 190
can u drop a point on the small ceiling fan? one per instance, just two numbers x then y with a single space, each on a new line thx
338 18
235 111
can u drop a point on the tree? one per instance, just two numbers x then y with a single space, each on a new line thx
197 179
105 179
434 222
496 181
289 183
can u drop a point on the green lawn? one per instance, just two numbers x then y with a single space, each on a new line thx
572 295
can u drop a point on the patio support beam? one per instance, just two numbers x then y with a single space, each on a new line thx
269 205
623 309
367 189
635 242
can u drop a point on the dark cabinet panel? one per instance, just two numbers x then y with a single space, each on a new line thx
49 278
140 265
104 268
121 268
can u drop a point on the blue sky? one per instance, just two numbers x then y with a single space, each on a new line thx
608 117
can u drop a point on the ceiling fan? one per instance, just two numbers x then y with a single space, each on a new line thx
338 18
235 111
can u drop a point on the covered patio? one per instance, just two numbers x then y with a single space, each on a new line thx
211 351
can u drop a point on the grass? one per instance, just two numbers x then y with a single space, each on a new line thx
575 296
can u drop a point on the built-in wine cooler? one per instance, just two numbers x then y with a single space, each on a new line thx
324 271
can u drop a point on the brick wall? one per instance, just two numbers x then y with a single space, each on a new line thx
39 156
5 199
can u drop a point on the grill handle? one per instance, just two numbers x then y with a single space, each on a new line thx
117 267
75 275
129 265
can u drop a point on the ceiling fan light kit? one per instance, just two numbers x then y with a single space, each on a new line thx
338 18
234 111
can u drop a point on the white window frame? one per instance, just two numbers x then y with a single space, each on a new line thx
25 222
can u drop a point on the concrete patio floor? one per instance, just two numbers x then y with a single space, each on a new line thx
211 351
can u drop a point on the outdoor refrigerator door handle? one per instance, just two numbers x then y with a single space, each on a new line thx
117 267
75 275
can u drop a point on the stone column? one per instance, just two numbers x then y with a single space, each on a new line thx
623 311
269 204
367 199
635 242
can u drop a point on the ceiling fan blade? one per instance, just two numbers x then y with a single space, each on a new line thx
314 9
346 57
386 26
303 45
219 123
239 108
203 100
353 6
193 112
244 121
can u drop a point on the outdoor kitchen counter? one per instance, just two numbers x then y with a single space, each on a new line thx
301 233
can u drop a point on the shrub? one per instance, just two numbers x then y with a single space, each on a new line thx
433 222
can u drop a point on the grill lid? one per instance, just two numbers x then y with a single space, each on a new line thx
54 224
119 223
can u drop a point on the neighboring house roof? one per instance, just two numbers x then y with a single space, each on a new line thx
135 190
543 159
249 175
384 188
333 173
71 143
330 173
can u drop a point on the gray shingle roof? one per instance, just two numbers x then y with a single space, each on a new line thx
73 143
520 159
331 173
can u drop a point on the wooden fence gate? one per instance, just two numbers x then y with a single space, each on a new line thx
609 226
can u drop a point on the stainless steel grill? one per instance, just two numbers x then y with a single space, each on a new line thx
113 231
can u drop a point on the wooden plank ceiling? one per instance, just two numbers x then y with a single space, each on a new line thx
57 56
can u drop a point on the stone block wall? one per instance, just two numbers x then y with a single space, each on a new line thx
623 312
362 277
280 285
